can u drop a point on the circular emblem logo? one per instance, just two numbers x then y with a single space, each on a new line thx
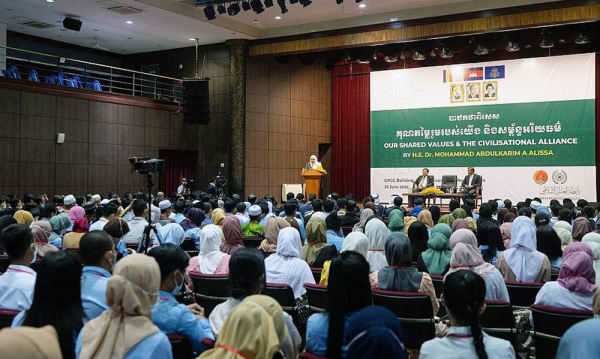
559 177
540 177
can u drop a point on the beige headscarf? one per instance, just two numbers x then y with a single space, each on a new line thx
218 215
274 225
23 217
408 221
30 343
364 216
131 292
425 217
316 238
255 328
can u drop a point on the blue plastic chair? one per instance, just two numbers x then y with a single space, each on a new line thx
15 72
52 80
5 73
61 78
77 81
33 76
96 85
69 82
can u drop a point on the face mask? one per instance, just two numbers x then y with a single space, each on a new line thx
178 287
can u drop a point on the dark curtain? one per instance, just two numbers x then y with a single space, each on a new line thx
178 164
350 130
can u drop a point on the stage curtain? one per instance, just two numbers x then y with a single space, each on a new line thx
178 164
350 130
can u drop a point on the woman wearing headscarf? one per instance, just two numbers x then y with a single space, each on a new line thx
170 233
592 239
396 221
60 224
399 275
126 331
460 223
444 229
419 235
210 260
255 328
459 213
575 287
218 215
563 229
472 224
268 245
505 230
356 242
436 259
232 229
374 332
75 213
425 217
522 262
316 251
23 217
581 227
501 213
80 228
192 223
447 219
377 233
41 231
408 221
364 216
30 343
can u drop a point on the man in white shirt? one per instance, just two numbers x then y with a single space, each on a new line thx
17 284
138 223
240 213
109 211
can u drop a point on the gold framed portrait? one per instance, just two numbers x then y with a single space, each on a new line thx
457 93
490 91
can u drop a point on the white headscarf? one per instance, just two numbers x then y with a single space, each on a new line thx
592 239
288 243
315 164
563 229
171 233
522 257
377 233
210 253
357 242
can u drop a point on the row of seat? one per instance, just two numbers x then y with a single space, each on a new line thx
60 79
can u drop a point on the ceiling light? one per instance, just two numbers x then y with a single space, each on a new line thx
281 4
446 53
305 3
257 6
245 5
418 57
221 9
547 42
209 12
481 50
512 47
49 0
233 9
581 39
192 39
129 22
362 6
268 3
277 17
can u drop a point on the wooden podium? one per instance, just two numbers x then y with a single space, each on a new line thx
312 182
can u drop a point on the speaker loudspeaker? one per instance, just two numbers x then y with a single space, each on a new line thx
70 23
196 104
60 138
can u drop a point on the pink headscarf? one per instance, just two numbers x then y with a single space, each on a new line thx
232 230
578 247
577 273
463 235
460 223
81 225
505 229
465 256
75 213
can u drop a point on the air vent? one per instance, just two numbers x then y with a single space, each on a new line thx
37 24
125 10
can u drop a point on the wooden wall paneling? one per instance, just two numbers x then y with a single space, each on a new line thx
103 154
156 137
102 132
72 108
258 140
9 172
10 123
131 135
37 127
73 153
37 151
76 130
38 104
132 115
9 150
10 101
36 175
103 112
71 176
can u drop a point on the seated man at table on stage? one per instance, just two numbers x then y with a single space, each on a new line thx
423 181
313 164
471 183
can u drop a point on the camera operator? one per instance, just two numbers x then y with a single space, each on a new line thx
184 189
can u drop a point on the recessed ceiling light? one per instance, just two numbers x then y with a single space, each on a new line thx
362 6
129 22
192 39
277 17
49 0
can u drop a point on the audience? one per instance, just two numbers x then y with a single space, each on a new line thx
348 291
57 300
127 331
592 239
334 231
80 228
316 250
364 216
97 252
17 284
549 243
30 343
138 223
396 221
233 235
253 227
581 227
171 233
210 260
168 315
436 259
377 233
268 245
109 212
489 238
464 299
419 236
41 231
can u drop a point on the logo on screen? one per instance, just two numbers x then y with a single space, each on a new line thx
559 177
540 177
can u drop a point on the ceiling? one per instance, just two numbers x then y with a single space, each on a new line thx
168 24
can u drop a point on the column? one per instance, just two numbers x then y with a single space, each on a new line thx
238 50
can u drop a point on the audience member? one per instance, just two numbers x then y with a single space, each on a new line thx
334 231
316 251
464 299
253 227
57 300
268 245
233 236
364 216
581 227
210 260
138 223
425 218
374 332
73 238
117 228
377 233
97 252
397 204
549 243
419 236
489 238
563 229
396 221
41 231
18 282
350 218
592 239
436 259
30 343
109 212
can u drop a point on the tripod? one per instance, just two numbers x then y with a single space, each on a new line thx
145 242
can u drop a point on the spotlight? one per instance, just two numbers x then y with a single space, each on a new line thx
245 5
281 4
257 6
446 53
209 12
268 3
512 47
581 39
221 9
418 57
305 3
233 9
481 50
547 42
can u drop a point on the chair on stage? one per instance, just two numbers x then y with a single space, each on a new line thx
448 183
549 325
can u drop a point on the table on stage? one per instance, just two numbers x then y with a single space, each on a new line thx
428 197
